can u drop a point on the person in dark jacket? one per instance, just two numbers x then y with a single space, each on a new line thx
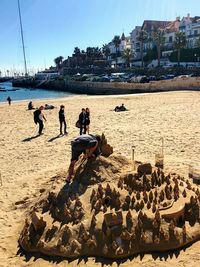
89 145
30 105
38 118
62 119
87 120
9 100
82 121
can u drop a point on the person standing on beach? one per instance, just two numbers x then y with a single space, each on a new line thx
38 118
82 121
87 120
62 119
9 100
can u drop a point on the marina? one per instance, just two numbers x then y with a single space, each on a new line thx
18 94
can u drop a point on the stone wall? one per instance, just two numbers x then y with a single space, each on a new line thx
191 83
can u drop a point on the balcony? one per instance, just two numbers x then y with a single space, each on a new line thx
193 35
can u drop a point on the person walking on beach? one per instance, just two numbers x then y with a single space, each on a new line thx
89 145
38 118
87 120
9 100
62 119
82 121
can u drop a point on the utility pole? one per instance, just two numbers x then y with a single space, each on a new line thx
22 36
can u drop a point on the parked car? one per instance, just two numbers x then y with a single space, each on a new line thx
168 65
104 79
144 79
152 78
115 79
170 76
162 77
182 76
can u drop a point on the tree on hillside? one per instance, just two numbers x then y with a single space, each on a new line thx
179 43
142 38
93 54
127 56
77 56
159 39
116 41
58 61
106 51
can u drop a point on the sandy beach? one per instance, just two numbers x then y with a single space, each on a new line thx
28 163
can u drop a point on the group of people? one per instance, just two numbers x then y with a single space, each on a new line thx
84 121
39 118
85 143
46 106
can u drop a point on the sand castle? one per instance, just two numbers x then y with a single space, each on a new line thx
112 211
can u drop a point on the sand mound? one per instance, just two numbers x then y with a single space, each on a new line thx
101 169
112 211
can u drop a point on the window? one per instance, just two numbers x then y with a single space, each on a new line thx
170 39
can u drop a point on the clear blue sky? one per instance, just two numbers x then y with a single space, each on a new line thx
54 27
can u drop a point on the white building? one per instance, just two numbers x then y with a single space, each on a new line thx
193 32
170 33
125 43
135 44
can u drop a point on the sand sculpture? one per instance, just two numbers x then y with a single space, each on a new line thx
109 210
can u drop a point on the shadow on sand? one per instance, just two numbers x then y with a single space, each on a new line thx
28 139
55 137
101 261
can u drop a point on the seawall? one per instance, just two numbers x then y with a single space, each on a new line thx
103 88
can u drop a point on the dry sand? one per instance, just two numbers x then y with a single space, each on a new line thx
27 165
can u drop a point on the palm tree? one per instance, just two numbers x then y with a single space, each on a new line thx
58 61
116 41
127 55
142 38
179 43
159 39
77 55
106 51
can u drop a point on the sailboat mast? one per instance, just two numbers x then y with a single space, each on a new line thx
22 36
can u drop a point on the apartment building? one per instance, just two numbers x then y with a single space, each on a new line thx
189 25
